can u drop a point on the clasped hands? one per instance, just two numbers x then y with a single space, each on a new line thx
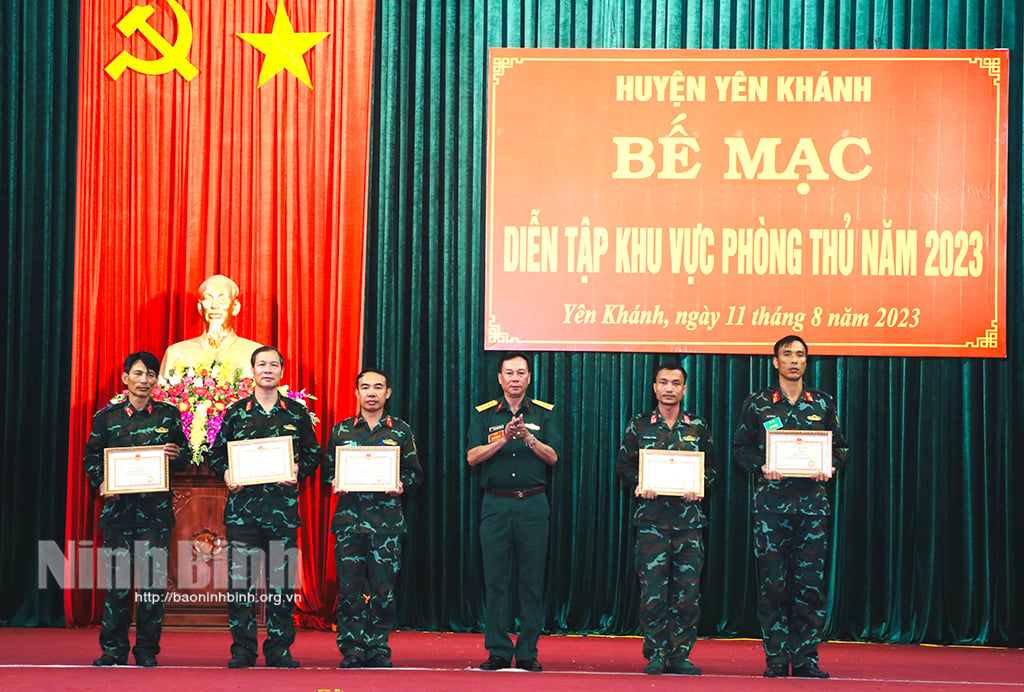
515 429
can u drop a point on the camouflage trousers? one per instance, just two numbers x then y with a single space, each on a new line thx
136 556
367 565
669 563
266 559
790 551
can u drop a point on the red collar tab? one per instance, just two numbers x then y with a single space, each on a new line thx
654 418
686 419
775 397
248 406
500 405
807 395
388 422
130 410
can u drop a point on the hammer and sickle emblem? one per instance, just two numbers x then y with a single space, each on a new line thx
172 57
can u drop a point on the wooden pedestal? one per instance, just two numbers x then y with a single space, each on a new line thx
198 560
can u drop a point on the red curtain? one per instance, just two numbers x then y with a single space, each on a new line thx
178 180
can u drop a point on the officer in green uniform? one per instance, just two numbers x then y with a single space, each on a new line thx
669 540
136 526
262 520
790 515
368 527
513 441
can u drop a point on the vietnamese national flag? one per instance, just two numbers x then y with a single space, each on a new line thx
229 137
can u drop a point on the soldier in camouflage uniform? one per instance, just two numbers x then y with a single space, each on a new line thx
136 526
669 541
514 442
368 527
262 520
790 515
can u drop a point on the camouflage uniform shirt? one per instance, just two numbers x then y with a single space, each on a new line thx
650 431
769 409
373 512
270 505
121 425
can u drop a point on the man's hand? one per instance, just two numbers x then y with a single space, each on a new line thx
646 494
401 489
515 430
231 488
295 472
771 475
172 450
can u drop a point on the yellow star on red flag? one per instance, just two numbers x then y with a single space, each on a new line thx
283 48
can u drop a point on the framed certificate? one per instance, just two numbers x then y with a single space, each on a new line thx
135 470
366 469
263 460
799 453
672 471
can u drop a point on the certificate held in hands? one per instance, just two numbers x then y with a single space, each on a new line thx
366 469
672 471
135 470
799 453
262 460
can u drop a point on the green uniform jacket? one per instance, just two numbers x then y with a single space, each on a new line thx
120 425
271 505
514 466
373 512
650 431
769 409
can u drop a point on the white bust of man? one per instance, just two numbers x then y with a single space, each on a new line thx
218 304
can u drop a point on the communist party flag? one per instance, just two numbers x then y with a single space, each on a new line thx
221 137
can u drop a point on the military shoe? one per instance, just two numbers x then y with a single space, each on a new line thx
108 660
494 663
656 666
530 664
285 661
777 670
809 670
683 667
240 661
145 659
351 662
378 661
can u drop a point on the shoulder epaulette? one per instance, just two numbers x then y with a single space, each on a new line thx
486 405
543 404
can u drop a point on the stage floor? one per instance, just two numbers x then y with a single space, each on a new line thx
61 659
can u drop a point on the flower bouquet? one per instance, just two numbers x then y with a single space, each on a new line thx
202 393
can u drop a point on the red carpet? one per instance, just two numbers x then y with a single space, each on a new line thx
195 659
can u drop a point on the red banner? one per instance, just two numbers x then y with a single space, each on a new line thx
712 201
221 137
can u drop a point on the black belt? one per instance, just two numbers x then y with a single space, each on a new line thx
518 494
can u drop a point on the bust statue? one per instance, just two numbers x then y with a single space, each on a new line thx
218 304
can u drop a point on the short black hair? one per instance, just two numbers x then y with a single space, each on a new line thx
670 365
264 349
387 380
148 359
512 355
789 339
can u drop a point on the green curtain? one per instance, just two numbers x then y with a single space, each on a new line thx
927 544
38 107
